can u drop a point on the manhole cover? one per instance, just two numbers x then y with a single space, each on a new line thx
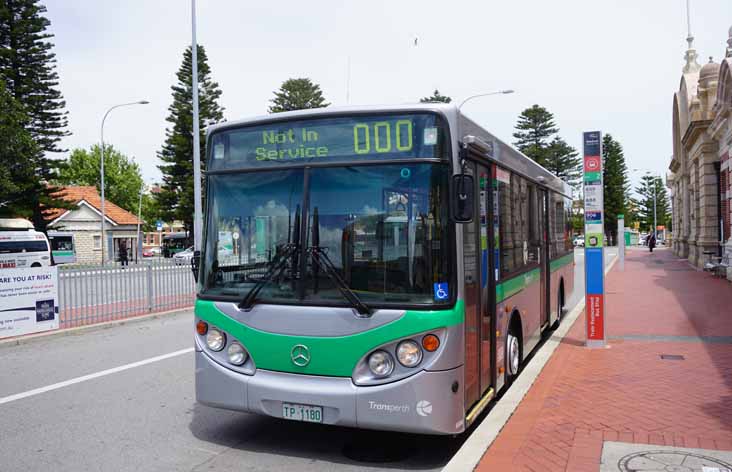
671 461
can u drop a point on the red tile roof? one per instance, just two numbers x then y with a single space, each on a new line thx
89 194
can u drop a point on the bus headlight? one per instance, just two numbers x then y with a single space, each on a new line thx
237 354
381 363
409 353
215 339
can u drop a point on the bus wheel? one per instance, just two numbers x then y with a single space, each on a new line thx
35 264
513 354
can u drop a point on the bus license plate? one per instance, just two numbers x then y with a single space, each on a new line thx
308 413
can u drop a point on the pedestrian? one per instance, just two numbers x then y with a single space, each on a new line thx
123 254
651 242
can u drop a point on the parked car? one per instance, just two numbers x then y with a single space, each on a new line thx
183 257
147 253
156 251
579 241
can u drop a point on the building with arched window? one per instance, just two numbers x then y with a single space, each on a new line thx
700 176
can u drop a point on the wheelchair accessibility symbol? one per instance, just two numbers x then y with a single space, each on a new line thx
441 291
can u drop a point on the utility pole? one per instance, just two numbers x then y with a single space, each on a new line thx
197 207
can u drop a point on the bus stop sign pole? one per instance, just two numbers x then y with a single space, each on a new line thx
594 231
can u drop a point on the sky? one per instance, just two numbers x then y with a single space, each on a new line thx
611 65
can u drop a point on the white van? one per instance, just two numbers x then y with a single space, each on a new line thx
22 246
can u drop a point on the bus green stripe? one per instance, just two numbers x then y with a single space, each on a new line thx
511 287
561 262
332 356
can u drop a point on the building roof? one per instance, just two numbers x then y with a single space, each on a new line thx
89 195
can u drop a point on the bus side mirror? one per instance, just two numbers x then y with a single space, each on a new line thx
464 194
195 264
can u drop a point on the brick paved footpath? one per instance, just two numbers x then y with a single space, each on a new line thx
626 392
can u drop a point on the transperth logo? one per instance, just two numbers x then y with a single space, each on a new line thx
389 408
424 408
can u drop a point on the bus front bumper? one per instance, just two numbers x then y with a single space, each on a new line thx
423 403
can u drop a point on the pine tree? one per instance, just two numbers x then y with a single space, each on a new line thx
436 98
297 94
122 176
650 185
616 186
534 129
176 196
27 66
562 160
16 173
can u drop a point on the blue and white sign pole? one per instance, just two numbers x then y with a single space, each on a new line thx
594 231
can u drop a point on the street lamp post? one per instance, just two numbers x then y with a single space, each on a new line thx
138 253
101 152
497 92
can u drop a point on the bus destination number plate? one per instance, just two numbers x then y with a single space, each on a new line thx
310 414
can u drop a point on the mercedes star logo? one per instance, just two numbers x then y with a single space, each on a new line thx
300 355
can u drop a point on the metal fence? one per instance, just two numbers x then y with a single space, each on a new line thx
98 293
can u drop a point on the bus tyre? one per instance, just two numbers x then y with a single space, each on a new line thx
35 264
513 355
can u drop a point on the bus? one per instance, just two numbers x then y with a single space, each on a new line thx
393 267
21 246
173 243
62 247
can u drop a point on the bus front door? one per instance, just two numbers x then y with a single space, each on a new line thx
478 308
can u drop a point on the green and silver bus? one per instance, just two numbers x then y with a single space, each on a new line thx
62 247
385 268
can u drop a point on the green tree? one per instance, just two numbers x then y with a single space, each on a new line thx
297 94
27 66
122 177
436 98
16 171
150 212
534 129
175 199
616 186
562 160
652 185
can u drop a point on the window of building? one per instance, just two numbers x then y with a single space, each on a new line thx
97 241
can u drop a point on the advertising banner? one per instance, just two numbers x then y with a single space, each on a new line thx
594 236
28 300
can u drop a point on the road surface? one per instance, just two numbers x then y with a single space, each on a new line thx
106 400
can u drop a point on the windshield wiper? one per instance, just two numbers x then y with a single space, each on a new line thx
279 266
321 259
274 272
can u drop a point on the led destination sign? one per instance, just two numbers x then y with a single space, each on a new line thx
341 139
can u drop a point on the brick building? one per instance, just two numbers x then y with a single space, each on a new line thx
84 221
700 167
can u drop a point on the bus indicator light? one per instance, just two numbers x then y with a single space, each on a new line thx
430 343
201 328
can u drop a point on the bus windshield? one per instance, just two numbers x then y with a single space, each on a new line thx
382 228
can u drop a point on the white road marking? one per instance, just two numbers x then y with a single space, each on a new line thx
95 375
